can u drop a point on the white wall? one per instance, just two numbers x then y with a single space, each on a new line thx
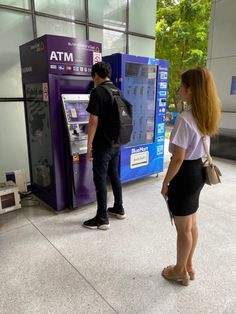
222 56
13 149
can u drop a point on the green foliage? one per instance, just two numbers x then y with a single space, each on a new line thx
182 37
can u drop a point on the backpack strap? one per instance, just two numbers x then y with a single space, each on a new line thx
111 91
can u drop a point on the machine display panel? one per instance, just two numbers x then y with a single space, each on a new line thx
140 90
75 108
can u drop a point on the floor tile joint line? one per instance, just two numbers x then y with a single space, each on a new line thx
72 266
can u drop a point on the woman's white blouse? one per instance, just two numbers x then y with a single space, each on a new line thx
186 134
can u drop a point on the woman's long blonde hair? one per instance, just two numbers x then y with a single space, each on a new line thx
205 102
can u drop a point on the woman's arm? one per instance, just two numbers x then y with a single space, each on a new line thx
177 159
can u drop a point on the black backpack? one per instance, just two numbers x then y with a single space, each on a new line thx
121 117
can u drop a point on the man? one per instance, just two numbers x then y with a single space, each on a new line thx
103 152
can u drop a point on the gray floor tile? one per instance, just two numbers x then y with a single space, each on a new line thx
36 210
35 278
12 220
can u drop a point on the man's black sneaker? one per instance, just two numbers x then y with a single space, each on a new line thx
95 224
118 213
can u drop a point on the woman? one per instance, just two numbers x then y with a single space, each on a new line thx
184 179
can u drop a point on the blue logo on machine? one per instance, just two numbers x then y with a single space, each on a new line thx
61 67
162 110
139 157
160 149
76 68
160 139
162 102
163 75
53 66
163 85
161 68
161 128
162 93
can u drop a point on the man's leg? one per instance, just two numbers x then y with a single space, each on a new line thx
113 174
100 166
101 159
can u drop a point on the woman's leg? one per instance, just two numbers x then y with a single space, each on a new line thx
184 242
194 242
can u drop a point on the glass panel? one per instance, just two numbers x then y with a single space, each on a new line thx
13 34
109 13
61 28
39 134
233 86
14 154
25 4
112 42
73 9
141 46
142 16
140 90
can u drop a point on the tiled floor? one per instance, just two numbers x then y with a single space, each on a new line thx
51 264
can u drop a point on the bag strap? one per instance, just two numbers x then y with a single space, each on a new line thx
110 90
209 158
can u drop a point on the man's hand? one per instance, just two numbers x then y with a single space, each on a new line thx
89 153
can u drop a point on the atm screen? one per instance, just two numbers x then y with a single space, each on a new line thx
75 108
76 112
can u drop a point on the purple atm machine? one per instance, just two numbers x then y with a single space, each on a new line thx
144 82
56 76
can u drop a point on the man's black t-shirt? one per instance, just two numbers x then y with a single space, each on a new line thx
100 104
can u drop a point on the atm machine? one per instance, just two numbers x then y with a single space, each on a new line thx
56 77
144 82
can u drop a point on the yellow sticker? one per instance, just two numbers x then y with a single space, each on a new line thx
75 157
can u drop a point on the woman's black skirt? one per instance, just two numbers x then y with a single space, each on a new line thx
185 188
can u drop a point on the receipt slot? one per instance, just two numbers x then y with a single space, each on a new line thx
56 77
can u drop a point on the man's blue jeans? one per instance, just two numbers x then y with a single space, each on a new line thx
106 163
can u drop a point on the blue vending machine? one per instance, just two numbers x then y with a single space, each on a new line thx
144 82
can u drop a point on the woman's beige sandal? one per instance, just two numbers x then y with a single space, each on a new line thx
169 274
191 275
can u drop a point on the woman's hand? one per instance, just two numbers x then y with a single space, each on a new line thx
176 161
164 190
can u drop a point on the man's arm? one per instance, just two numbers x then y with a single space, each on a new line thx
92 127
